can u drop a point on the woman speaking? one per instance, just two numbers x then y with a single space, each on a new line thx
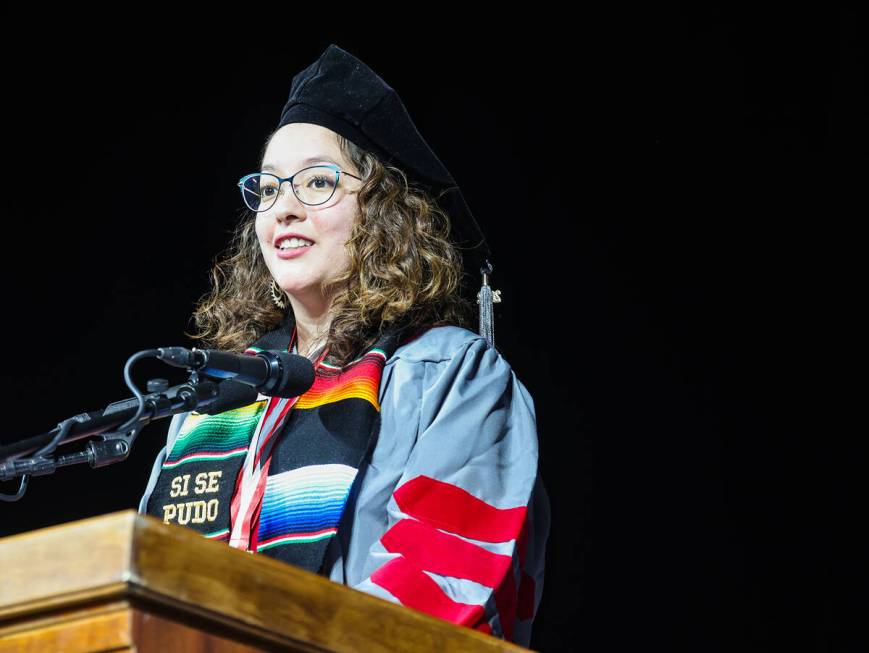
409 469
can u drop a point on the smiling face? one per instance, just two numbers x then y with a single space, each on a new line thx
328 226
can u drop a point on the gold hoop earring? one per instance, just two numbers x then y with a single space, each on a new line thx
278 296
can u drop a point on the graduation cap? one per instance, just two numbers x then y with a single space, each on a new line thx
341 93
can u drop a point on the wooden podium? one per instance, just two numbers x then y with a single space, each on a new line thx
127 582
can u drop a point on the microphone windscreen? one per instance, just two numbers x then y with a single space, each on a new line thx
232 394
297 375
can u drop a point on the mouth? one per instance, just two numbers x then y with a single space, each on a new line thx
292 241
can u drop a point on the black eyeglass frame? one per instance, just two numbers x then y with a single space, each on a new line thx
281 181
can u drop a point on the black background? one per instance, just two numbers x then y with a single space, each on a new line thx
671 199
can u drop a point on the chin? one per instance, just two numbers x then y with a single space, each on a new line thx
295 289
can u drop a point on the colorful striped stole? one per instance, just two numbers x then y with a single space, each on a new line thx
313 457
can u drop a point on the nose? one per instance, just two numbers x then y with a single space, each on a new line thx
287 205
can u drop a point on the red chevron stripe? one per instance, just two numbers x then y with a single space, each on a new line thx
410 585
430 549
453 509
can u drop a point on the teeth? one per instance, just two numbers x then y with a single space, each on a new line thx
288 243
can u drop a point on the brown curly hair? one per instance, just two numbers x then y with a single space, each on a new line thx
404 270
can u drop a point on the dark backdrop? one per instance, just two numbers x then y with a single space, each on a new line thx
666 197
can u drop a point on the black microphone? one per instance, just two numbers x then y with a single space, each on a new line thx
230 395
205 397
272 373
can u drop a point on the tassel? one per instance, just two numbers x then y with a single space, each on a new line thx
486 298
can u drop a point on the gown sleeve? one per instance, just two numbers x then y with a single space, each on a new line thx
468 518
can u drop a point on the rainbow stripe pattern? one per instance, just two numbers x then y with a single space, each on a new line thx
303 505
359 380
215 437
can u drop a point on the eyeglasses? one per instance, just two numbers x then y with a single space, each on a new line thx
311 186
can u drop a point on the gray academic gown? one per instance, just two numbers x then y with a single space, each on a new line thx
459 425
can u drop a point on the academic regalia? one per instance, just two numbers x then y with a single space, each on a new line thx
449 515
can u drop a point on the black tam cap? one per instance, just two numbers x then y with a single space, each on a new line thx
341 93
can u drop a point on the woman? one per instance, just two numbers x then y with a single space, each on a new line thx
409 469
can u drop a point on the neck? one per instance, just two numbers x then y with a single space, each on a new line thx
312 323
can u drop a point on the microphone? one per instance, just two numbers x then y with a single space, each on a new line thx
272 373
230 395
205 397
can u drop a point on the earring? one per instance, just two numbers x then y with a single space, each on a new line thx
278 296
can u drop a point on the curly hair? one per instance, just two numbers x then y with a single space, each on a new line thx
404 270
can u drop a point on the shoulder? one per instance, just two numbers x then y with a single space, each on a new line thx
452 379
443 356
438 357
439 344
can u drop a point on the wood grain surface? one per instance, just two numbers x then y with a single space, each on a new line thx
126 578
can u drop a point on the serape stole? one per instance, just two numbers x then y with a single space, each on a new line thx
284 497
